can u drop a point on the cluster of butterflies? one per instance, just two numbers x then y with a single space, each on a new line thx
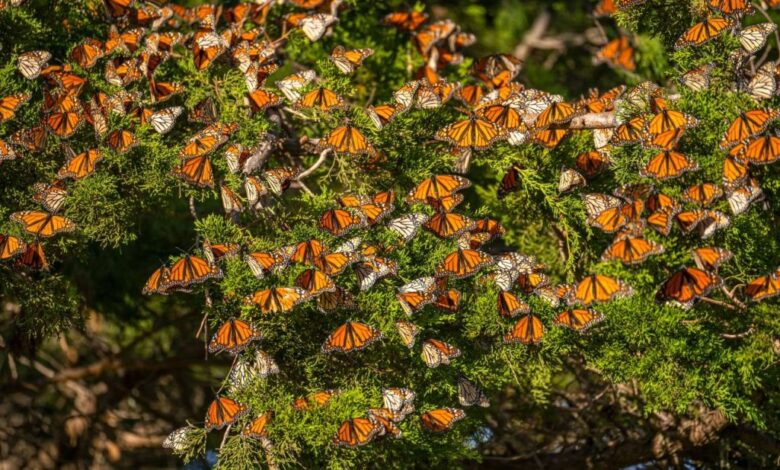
440 194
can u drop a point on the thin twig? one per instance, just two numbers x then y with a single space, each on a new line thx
534 34
718 303
745 333
323 155
193 211
225 436
732 297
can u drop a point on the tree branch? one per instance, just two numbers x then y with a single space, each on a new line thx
323 156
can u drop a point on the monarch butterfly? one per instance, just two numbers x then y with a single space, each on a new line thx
489 226
155 283
261 99
761 150
556 113
527 330
437 187
491 66
154 43
592 163
686 285
196 170
314 26
382 115
351 336
233 336
122 140
436 353
87 53
262 262
207 46
51 196
243 372
631 250
117 8
747 125
697 79
470 394
277 299
9 105
408 332
752 38
668 120
445 203
280 179
407 225
339 221
332 301
334 264
348 60
66 116
43 224
710 257
617 53
314 282
630 132
666 140
763 85
163 120
416 294
30 64
11 246
473 133
449 225
763 287
510 306
119 72
307 252
501 114
741 198
405 20
600 288
323 99
441 419
177 440
385 418
605 212
463 263
7 152
448 300
81 165
346 139
356 432
190 270
557 294
33 258
734 172
668 164
217 252
257 429
368 272
224 411
205 112
550 138
702 194
578 319
399 401
704 31
291 85
732 7
708 221
433 34
570 180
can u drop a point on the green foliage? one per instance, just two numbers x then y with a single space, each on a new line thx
133 214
